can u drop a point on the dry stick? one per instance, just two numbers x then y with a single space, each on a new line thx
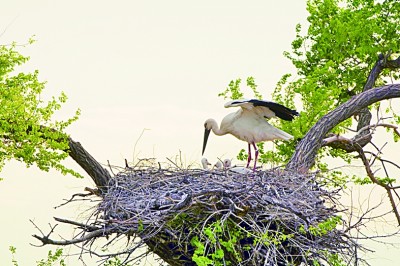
378 154
380 183
46 240
381 159
81 225
73 197
362 218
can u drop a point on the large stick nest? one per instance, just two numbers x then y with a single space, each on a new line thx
191 215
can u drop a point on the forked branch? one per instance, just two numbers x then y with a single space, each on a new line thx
306 151
389 189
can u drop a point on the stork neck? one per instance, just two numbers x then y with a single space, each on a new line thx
217 130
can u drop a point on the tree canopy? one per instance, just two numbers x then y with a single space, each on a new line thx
28 131
334 58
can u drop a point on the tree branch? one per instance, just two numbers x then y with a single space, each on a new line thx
364 118
86 227
92 233
363 137
47 241
380 183
306 151
359 140
92 167
75 150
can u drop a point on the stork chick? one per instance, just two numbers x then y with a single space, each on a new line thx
205 163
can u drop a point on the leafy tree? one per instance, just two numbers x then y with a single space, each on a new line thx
53 258
28 132
334 59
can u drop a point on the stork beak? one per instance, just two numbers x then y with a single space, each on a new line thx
206 134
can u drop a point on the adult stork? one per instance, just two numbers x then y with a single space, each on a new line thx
250 123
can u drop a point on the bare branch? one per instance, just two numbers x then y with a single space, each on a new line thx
380 183
73 197
47 241
86 227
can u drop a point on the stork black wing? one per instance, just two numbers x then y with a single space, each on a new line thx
280 111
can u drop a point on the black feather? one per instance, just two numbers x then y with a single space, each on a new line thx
280 111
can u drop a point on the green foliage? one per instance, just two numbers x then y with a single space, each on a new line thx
367 180
334 57
51 260
115 261
27 130
362 180
332 259
273 238
199 256
56 258
216 244
140 226
322 228
234 91
13 250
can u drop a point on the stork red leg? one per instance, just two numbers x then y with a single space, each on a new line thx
256 155
248 157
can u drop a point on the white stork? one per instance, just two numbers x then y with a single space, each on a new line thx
250 123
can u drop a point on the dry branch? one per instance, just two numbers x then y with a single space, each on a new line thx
389 190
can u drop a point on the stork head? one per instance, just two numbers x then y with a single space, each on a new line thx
207 130
218 165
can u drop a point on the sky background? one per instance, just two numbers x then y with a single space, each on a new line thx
133 67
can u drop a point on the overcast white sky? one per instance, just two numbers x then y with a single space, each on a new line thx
135 65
